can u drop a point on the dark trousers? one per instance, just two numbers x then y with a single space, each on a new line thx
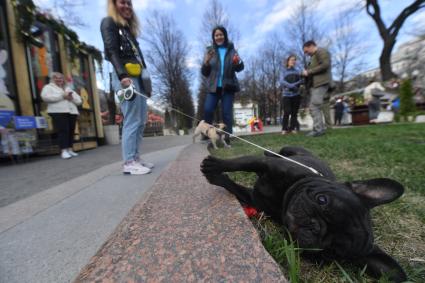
226 107
374 107
64 124
338 117
291 105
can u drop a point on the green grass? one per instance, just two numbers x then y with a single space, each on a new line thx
394 151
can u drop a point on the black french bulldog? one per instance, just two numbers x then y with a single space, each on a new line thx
320 213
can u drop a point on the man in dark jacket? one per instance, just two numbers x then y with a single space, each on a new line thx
319 72
220 65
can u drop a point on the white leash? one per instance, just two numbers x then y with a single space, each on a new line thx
128 93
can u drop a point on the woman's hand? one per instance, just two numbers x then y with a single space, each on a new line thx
208 56
125 82
236 59
68 96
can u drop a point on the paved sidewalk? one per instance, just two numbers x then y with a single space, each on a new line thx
51 235
187 227
186 231
40 173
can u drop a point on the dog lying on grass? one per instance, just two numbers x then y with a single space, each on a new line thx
213 133
329 220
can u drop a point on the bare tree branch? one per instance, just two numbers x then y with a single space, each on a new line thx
214 15
302 26
67 11
347 48
389 34
167 55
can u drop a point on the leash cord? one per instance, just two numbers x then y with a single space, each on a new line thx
131 87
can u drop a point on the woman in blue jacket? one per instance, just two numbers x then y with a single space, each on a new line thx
291 99
221 62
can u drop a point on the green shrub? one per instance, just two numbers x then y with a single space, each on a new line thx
407 105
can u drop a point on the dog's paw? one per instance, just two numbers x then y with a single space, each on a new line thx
217 179
211 165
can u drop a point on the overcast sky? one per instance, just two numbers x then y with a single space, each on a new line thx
255 19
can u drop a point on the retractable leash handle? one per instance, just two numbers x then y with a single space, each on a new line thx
128 93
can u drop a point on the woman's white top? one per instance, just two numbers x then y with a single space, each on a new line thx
54 96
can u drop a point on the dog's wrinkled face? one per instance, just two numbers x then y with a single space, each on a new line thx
329 218
220 126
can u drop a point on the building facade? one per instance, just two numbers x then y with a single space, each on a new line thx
32 46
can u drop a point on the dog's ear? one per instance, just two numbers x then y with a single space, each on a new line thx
378 191
379 263
294 150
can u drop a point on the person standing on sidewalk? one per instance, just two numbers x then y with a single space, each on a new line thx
339 111
291 98
372 93
319 72
221 62
62 107
119 32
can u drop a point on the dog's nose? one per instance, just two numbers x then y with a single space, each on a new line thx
315 226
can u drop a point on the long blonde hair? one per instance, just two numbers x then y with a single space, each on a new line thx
133 24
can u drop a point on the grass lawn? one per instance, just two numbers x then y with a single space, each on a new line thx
394 151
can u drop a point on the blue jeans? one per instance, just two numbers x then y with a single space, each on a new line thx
226 107
135 117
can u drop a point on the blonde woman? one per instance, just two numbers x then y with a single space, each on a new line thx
62 107
119 32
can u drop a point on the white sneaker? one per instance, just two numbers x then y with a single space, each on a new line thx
145 163
72 153
65 155
135 168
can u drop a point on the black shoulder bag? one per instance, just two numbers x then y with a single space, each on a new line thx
143 71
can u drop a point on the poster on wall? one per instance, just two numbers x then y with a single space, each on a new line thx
42 61
5 102
25 122
80 80
5 117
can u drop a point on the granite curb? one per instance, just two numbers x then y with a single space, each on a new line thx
185 230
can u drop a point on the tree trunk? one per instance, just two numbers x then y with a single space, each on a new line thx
389 34
385 60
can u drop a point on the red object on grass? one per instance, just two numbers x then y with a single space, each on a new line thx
250 211
259 126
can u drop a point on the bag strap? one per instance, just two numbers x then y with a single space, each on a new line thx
136 52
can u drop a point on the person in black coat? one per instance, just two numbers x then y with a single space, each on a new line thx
339 111
221 62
